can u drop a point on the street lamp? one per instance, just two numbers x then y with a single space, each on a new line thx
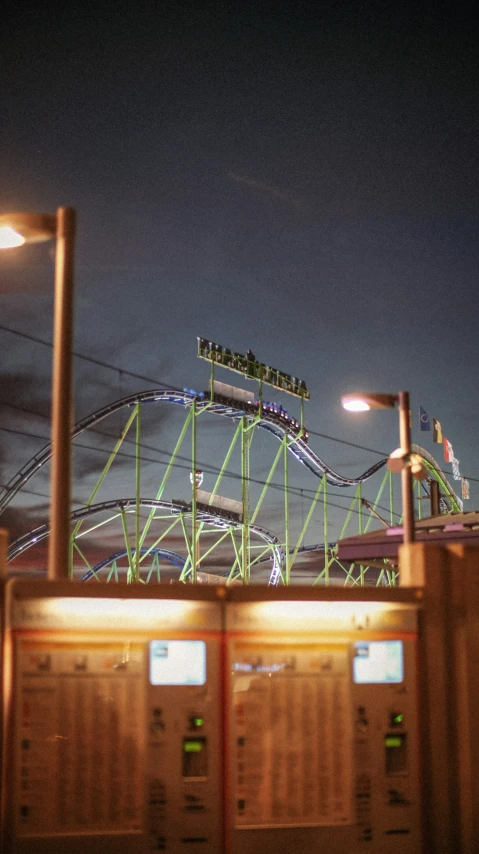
16 229
400 460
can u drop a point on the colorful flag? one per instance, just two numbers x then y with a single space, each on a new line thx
436 431
424 419
465 488
448 452
455 469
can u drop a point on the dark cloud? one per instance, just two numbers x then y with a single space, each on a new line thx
18 520
28 393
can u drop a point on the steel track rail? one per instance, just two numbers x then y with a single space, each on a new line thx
298 447
175 508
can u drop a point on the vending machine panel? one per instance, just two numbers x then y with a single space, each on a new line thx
113 722
322 720
210 721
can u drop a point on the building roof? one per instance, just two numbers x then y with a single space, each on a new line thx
443 530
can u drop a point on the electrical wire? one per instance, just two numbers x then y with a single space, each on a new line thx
98 362
109 436
295 492
164 384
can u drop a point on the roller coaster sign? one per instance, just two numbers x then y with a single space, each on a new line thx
247 365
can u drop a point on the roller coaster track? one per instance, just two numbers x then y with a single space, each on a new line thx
451 501
166 554
297 447
129 505
278 425
172 557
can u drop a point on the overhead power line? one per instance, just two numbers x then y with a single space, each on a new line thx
163 384
109 436
90 359
185 465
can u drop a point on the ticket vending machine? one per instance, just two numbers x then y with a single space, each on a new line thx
322 725
187 719
113 720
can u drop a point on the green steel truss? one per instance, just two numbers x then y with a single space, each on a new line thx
136 539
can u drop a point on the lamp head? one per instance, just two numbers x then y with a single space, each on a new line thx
399 459
362 401
19 228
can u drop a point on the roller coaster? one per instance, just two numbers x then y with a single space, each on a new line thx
215 540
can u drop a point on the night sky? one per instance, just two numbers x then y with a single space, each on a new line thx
298 179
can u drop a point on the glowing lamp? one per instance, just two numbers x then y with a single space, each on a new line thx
9 238
361 402
17 229
400 460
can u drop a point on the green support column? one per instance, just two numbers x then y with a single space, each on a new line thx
136 574
166 475
308 519
360 509
326 531
361 531
419 498
113 572
131 561
287 563
391 500
212 380
194 532
245 443
105 471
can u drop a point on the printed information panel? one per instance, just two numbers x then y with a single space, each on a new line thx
79 737
293 738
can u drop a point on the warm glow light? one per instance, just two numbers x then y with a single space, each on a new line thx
9 238
294 611
362 401
113 614
19 228
115 608
311 617
357 405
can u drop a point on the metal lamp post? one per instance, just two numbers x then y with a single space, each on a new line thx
362 403
16 229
